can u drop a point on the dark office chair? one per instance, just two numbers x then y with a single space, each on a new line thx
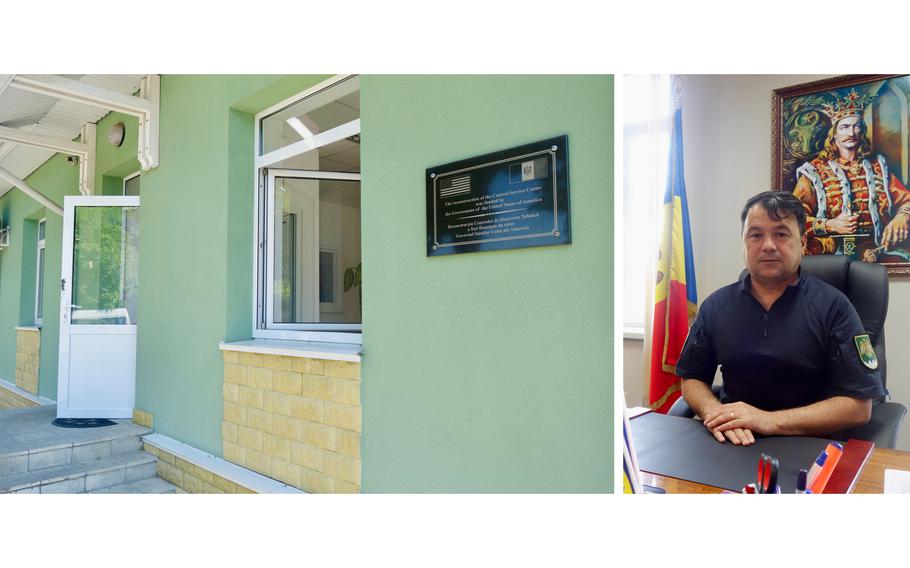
866 285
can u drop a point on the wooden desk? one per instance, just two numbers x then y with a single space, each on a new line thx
871 480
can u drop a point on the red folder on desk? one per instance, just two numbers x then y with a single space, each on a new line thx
850 466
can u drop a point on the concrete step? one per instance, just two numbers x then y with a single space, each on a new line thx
153 485
121 468
36 459
30 442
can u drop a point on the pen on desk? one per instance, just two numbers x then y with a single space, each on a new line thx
816 467
801 478
834 451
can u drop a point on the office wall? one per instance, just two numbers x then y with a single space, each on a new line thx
485 372
727 141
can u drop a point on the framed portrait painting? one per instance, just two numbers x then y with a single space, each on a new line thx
842 146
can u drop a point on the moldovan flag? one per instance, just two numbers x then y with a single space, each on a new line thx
675 298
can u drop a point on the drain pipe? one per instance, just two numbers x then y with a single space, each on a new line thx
11 178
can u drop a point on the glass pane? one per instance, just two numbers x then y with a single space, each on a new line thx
105 265
131 186
340 156
41 231
39 308
337 105
313 217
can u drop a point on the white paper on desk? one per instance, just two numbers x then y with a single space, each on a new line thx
897 481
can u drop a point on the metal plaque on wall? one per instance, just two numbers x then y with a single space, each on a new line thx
513 198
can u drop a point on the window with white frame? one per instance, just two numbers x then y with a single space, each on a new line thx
308 215
647 113
39 277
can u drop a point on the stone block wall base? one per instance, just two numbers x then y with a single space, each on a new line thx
28 357
190 478
143 418
294 419
9 399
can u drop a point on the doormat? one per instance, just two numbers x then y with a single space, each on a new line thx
82 422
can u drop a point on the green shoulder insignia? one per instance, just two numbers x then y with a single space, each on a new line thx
865 351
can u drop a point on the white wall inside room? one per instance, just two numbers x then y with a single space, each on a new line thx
339 231
727 146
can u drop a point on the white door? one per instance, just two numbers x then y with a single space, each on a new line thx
98 296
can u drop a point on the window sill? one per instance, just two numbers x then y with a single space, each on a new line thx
289 348
633 332
28 328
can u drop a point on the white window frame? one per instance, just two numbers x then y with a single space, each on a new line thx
264 326
39 276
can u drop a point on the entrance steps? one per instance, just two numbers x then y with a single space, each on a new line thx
38 457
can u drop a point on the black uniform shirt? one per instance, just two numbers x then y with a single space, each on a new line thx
799 352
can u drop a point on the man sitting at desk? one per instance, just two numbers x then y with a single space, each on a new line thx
789 345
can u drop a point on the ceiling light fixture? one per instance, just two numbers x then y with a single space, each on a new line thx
299 127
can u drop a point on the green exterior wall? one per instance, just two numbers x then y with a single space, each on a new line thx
485 372
55 178
195 252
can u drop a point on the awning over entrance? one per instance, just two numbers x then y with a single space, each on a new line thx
41 115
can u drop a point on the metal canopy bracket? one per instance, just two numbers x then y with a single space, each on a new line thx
26 138
85 150
87 162
148 123
145 106
13 180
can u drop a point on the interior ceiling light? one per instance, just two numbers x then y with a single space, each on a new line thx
300 128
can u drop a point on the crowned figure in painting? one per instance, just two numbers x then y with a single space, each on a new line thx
854 205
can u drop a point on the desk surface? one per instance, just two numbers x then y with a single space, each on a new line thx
871 480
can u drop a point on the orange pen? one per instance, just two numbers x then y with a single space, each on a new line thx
835 451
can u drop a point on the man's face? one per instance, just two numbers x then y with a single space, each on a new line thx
848 133
772 249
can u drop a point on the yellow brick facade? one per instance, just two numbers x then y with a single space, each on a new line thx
295 419
28 351
191 478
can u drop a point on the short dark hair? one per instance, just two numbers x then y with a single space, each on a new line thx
779 205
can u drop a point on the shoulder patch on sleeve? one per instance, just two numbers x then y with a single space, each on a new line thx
865 351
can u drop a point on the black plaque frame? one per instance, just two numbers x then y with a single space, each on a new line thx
486 183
